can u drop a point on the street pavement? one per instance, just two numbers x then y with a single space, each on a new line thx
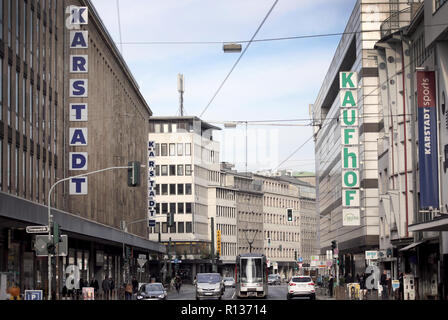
277 292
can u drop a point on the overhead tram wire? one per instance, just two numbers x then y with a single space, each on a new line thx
238 60
321 35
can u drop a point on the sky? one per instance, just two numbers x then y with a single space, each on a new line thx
274 80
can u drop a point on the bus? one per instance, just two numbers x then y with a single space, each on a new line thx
251 276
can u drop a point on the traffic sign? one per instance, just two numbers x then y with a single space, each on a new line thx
41 244
33 294
141 262
37 229
300 259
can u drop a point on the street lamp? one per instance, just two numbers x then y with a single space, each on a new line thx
232 47
49 212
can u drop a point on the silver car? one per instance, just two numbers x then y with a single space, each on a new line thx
229 282
209 285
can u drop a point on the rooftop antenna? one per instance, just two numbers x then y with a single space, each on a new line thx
181 89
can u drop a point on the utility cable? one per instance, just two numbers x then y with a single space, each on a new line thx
238 60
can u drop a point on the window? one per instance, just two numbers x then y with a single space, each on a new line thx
180 189
16 170
164 207
180 208
188 169
172 170
164 150
172 189
180 170
189 228
180 227
188 149
157 189
180 149
157 151
172 207
1 161
188 208
157 228
8 167
173 228
1 78
157 208
157 128
164 170
17 100
157 171
172 149
164 227
164 189
188 188
9 88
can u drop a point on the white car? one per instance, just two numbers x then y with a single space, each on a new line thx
301 286
229 282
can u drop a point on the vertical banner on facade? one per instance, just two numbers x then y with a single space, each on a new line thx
427 139
78 89
350 149
151 184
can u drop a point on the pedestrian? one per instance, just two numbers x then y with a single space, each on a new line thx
401 289
106 288
330 286
134 285
111 287
383 283
128 292
178 283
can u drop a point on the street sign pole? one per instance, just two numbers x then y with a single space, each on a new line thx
50 217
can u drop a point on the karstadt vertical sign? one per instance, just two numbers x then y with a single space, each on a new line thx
350 149
427 140
78 94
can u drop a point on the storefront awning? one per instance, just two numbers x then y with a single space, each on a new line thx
438 224
29 213
412 245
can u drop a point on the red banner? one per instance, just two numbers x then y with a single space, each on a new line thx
426 89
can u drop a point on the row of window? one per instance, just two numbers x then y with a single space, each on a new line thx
173 170
226 229
174 207
177 227
179 149
17 171
173 189
279 253
282 236
225 212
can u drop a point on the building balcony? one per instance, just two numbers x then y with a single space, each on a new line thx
399 19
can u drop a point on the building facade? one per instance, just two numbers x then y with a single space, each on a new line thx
187 164
414 235
355 53
38 90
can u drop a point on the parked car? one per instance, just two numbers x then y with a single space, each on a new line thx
229 282
274 279
209 285
151 291
301 286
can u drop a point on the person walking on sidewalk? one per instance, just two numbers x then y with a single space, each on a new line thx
383 282
134 285
330 286
106 288
178 283
128 292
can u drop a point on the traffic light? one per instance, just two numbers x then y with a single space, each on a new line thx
295 255
333 245
51 248
170 219
56 233
289 215
134 174
218 242
269 241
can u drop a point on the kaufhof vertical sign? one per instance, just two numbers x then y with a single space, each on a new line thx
151 184
427 139
350 148
78 94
